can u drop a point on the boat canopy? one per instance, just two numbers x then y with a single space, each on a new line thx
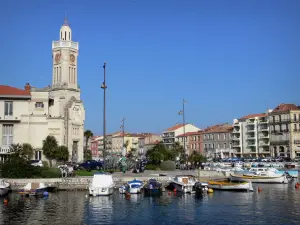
135 181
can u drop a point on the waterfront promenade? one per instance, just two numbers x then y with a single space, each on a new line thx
81 183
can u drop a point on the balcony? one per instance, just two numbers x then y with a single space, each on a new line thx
263 128
251 137
236 145
263 121
283 121
264 136
65 44
236 125
251 144
262 143
235 138
279 132
279 142
168 135
250 131
5 149
236 131
250 122
10 119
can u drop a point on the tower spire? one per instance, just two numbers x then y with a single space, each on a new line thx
66 20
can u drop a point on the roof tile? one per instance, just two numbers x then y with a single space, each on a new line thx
7 90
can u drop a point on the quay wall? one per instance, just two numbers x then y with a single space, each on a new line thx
82 183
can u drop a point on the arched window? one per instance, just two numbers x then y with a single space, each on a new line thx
65 35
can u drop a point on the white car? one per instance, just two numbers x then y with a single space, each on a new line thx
37 163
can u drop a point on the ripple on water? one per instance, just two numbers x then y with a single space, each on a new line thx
276 204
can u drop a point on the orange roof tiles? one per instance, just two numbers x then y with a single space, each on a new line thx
285 107
7 90
254 115
177 126
189 134
221 128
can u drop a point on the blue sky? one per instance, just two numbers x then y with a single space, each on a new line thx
227 58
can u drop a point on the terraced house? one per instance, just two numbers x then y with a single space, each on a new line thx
285 130
217 141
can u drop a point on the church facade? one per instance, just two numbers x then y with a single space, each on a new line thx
29 115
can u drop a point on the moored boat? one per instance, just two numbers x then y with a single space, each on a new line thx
33 189
153 187
132 187
260 178
229 185
183 183
101 185
4 187
200 188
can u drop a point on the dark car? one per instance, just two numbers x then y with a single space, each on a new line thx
91 165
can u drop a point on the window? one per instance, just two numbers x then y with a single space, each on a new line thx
194 138
8 108
295 127
205 146
213 146
218 136
198 138
7 134
224 136
38 155
295 117
39 105
218 146
225 146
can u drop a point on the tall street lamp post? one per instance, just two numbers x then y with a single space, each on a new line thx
182 112
103 86
123 133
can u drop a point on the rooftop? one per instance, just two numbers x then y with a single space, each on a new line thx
190 134
8 90
253 116
285 107
219 128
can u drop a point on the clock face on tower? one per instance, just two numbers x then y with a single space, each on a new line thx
57 58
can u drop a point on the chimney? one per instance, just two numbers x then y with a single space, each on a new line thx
27 87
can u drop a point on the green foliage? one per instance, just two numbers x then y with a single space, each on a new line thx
168 165
24 151
50 173
151 167
87 153
50 146
196 157
45 164
62 153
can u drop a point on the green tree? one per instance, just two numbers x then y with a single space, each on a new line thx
50 146
62 153
24 151
87 153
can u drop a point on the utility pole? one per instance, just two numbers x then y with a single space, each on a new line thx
103 86
123 132
182 112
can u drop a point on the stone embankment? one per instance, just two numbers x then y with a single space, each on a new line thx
82 183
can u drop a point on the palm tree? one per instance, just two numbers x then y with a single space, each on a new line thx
87 134
50 147
62 153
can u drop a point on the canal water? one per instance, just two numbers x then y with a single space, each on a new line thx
275 204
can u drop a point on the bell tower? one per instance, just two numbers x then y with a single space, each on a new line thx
64 55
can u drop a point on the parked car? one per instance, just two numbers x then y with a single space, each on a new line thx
91 165
37 163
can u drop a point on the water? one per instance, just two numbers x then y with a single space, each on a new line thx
276 204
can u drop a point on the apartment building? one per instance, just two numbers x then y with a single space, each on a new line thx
193 142
147 142
250 136
217 141
285 131
169 135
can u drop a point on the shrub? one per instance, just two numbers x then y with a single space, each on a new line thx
151 167
45 164
168 165
51 173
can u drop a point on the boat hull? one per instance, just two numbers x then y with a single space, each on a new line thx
101 191
4 191
245 186
183 188
155 191
257 179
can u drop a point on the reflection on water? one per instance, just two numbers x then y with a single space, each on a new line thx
276 204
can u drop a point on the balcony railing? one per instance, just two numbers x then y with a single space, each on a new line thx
264 143
279 142
236 131
280 121
250 137
5 149
280 131
264 121
264 136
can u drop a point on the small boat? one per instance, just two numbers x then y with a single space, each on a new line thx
183 183
101 185
257 171
33 189
4 187
132 187
262 178
153 187
200 188
229 185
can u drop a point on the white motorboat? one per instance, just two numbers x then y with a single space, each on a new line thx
4 187
101 185
34 189
227 185
259 170
184 183
132 187
263 177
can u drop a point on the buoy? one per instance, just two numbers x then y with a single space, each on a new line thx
210 190
174 190
5 201
296 185
259 189
46 193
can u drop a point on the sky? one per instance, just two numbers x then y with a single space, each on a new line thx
227 58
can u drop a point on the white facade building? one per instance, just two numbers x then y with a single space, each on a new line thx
30 115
